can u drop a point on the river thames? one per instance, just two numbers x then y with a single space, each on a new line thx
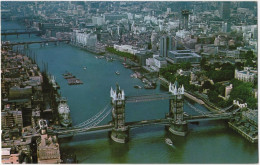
207 142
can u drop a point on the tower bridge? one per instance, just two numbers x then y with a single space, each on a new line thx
176 120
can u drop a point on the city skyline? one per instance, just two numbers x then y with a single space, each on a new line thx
129 82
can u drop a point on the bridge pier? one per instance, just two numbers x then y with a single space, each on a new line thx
26 46
120 132
178 126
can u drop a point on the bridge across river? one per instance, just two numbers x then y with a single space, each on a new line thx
44 42
176 121
18 32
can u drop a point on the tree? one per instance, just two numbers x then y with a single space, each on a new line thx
242 91
203 62
252 102
185 65
239 65
213 96
207 85
149 46
250 54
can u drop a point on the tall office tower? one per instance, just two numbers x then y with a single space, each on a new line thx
165 45
184 19
154 40
225 10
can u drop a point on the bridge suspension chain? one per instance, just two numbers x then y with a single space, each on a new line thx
96 122
83 124
86 127
197 110
227 108
151 97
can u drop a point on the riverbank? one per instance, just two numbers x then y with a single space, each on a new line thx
28 96
194 97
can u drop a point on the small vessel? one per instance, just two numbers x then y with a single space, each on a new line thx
137 86
117 72
148 86
133 75
54 83
168 141
84 67
68 75
64 113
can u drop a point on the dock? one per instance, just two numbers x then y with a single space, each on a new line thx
72 80
243 133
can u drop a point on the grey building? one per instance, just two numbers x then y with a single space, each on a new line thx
184 19
142 56
225 10
179 56
165 45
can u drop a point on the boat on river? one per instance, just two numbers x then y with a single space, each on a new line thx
168 141
149 86
117 72
137 87
68 75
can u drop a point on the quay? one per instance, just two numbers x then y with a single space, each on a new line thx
243 133
96 50
246 124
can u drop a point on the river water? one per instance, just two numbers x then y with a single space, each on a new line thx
208 142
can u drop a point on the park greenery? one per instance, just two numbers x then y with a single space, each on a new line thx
119 53
222 75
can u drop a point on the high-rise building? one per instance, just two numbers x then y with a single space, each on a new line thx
225 10
184 19
165 45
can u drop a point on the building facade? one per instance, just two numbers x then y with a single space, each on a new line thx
48 151
246 75
179 56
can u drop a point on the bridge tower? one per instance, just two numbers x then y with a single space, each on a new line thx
120 132
178 126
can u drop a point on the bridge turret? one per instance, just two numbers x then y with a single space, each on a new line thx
120 132
175 89
43 126
117 94
178 125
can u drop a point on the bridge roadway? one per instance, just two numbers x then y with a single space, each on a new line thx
32 42
6 32
150 97
135 124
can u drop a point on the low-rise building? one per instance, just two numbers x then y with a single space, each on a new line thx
10 157
179 56
156 63
11 118
228 90
48 151
160 62
246 75
126 48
